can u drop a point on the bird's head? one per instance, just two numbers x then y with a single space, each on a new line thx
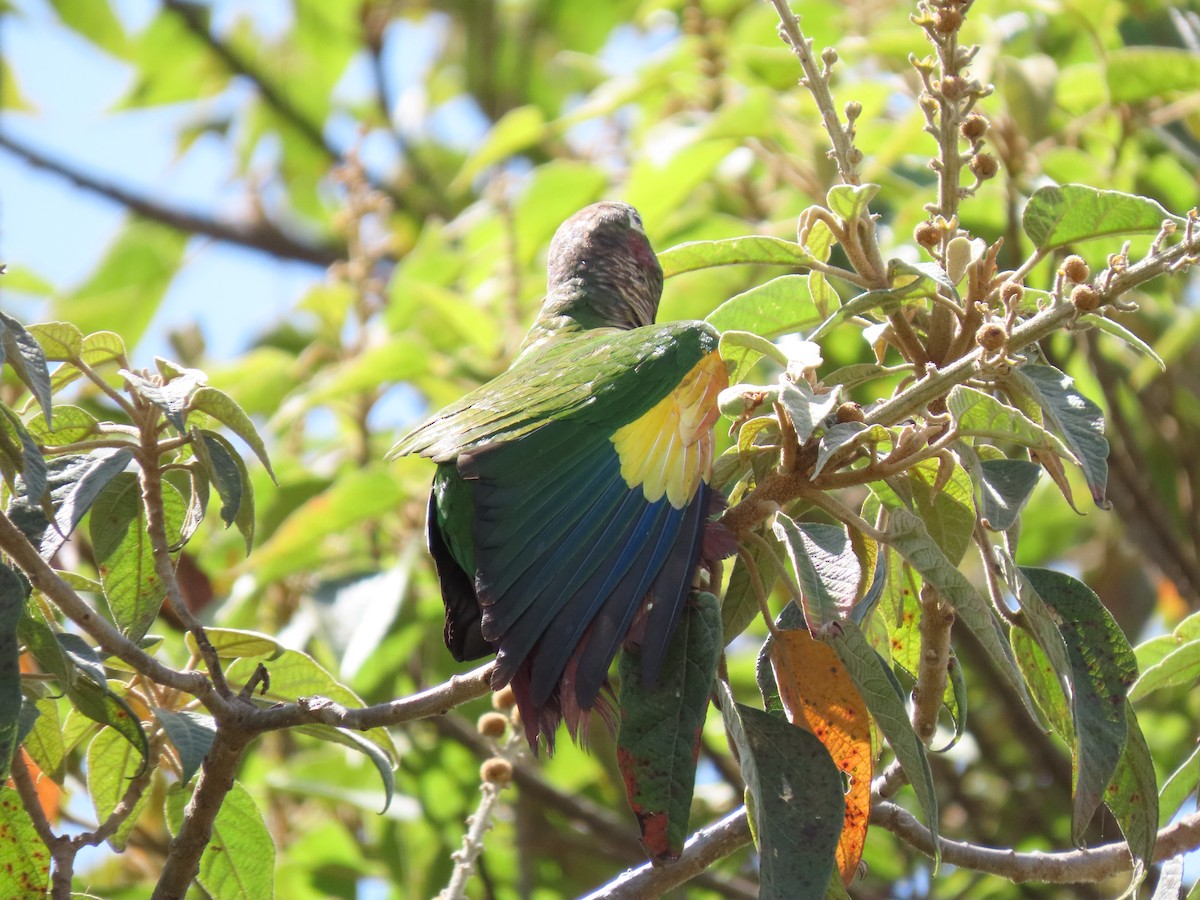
601 272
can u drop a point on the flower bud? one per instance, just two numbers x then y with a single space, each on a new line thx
850 412
504 698
1074 269
492 725
984 166
1085 298
991 336
974 127
496 771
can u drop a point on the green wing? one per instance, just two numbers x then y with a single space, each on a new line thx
604 376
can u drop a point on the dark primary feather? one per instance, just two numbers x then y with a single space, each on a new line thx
544 553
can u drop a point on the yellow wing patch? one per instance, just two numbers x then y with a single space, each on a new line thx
669 449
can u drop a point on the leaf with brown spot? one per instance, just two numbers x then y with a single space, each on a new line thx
818 693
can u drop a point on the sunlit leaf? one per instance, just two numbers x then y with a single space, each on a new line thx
753 250
826 567
780 306
1058 215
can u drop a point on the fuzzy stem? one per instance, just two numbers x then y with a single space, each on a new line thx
937 618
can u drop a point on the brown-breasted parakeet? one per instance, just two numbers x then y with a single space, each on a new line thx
571 498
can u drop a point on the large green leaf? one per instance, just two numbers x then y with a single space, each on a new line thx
752 250
1059 215
826 567
12 602
1077 419
796 801
111 764
124 555
239 861
74 481
1132 795
130 281
1100 667
192 734
1138 74
659 735
981 415
782 305
25 872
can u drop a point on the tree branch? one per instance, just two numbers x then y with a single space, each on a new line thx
47 581
215 783
704 848
1068 866
193 16
257 235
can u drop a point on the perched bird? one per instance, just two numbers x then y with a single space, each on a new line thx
571 498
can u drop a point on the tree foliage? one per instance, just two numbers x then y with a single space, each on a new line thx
957 302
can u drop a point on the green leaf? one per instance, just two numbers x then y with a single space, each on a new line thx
225 410
12 602
129 283
60 341
1101 667
744 349
24 354
75 482
1178 788
124 555
796 804
34 471
844 435
882 301
885 699
1180 666
517 130
739 251
781 306
826 567
71 424
1138 74
192 734
908 535
1117 330
44 743
300 541
111 764
739 606
25 874
98 349
805 408
1077 419
1005 486
948 515
233 643
98 24
222 471
659 734
239 862
1056 216
380 759
1132 795
850 201
981 415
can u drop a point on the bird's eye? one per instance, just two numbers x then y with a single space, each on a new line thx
635 221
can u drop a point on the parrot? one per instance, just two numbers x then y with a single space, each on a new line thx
571 500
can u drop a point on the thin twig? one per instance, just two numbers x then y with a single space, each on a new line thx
255 234
844 153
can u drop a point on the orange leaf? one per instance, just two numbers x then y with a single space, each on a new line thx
49 794
817 694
